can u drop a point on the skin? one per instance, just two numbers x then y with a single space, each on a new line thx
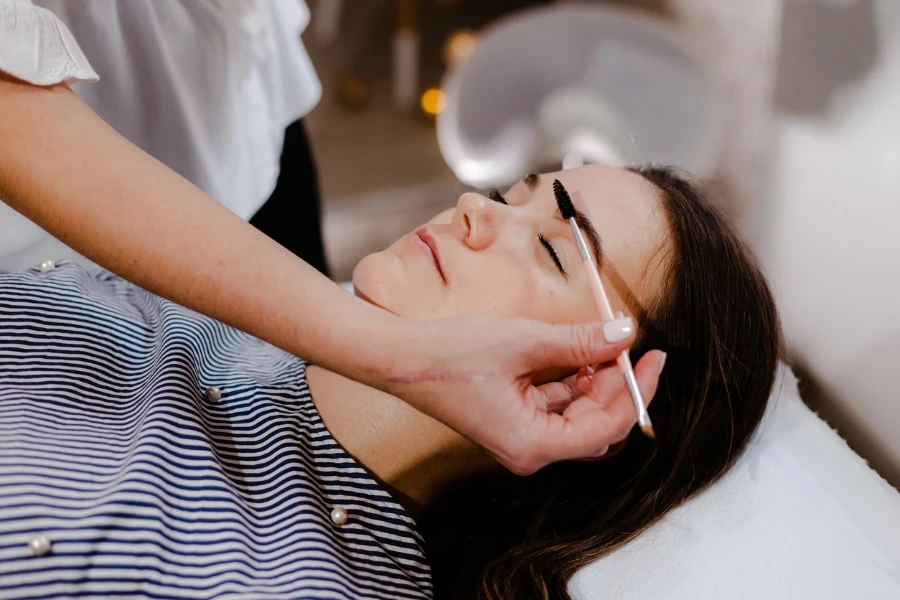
65 169
492 263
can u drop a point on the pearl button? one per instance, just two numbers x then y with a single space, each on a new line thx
339 515
213 394
40 545
47 265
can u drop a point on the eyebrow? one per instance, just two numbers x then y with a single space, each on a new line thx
593 237
533 180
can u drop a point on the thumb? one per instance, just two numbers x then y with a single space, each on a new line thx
585 343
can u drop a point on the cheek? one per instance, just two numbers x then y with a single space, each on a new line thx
387 281
442 218
554 303
488 285
544 297
509 291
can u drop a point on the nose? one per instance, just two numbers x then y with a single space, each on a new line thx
479 219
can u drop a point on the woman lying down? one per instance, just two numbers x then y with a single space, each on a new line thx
151 452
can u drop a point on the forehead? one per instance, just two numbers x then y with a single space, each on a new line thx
627 213
613 194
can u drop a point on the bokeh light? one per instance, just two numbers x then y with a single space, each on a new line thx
433 101
353 92
459 46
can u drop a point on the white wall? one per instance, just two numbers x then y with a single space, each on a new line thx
831 221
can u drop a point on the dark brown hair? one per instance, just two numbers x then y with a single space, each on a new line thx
506 537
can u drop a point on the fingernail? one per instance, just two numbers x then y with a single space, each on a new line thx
662 363
618 330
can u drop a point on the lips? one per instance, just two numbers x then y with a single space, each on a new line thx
431 244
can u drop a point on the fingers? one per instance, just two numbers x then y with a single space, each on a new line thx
586 428
606 377
584 344
557 395
603 384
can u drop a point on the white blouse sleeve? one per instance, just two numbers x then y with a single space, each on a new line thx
37 47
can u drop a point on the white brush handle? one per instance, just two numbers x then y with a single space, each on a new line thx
597 289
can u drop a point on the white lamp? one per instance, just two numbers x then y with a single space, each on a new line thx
584 81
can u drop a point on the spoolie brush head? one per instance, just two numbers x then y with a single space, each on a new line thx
566 208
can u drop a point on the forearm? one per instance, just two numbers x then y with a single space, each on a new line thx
65 169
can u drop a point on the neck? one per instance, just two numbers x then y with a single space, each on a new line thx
414 456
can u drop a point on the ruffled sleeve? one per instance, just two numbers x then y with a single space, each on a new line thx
37 47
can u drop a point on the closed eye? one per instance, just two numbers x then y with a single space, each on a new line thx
496 196
553 254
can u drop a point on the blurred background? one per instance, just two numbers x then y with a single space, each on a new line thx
803 103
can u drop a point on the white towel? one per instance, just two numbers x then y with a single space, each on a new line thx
800 516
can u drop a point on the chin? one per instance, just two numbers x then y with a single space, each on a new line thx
377 278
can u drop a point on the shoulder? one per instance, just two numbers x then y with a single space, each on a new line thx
35 46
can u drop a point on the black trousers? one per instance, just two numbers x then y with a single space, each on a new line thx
292 216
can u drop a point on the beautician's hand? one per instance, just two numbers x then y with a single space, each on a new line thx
487 380
68 171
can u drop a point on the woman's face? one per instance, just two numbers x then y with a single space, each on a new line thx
495 259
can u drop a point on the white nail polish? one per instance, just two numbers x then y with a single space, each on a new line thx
662 363
618 330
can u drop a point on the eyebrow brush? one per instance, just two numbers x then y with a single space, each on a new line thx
567 209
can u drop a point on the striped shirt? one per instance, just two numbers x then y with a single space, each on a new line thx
122 474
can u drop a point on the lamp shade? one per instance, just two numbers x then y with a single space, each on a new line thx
615 85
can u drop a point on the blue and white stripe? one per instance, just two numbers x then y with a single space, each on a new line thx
145 489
